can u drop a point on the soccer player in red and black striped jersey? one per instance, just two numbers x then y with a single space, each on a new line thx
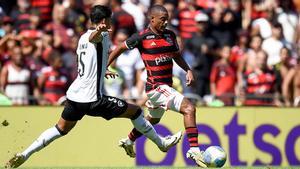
158 48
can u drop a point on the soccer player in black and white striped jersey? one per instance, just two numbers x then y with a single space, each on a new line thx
85 97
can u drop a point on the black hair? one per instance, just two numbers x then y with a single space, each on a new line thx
157 8
99 12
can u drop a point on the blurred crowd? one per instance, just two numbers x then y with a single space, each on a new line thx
242 52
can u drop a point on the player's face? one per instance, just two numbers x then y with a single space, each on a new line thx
160 21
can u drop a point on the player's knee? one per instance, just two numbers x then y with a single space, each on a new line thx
189 110
62 130
138 112
154 120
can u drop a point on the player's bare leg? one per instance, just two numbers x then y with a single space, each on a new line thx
144 127
60 129
189 117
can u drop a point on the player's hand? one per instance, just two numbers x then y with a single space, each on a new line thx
103 28
110 74
189 78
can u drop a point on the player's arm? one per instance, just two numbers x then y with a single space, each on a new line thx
116 53
96 36
130 43
182 63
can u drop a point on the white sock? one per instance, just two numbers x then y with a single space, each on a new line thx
42 141
145 127
195 149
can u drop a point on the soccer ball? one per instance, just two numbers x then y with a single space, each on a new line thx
214 156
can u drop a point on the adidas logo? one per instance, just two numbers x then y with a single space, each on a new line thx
153 44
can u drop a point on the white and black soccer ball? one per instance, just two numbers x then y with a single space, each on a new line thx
215 156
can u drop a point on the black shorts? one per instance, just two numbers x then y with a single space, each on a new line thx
107 107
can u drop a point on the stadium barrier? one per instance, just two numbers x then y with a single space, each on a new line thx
251 136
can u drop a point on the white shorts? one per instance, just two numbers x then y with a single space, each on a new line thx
163 98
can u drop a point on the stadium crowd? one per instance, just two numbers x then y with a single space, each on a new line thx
242 52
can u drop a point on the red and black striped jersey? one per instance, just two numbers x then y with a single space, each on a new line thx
157 52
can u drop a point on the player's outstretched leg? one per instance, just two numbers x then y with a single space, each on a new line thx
144 126
168 142
189 116
49 135
127 145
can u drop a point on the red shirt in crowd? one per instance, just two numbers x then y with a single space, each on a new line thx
55 85
187 23
223 75
259 84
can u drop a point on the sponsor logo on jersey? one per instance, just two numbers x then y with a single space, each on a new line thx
162 59
150 37
153 44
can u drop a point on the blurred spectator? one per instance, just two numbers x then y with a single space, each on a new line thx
45 8
202 46
262 25
61 33
173 21
6 43
187 23
6 26
131 64
260 83
238 51
7 6
248 61
289 20
33 50
190 59
53 81
15 78
286 62
20 14
223 77
75 16
121 19
222 26
133 8
273 45
115 87
291 87
69 58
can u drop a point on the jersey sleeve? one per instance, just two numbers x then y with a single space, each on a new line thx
133 41
176 46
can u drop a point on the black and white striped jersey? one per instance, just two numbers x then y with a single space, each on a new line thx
92 62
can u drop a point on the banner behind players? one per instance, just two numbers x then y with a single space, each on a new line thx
250 136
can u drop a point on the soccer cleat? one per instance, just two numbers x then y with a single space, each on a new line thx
16 161
170 141
197 157
128 147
